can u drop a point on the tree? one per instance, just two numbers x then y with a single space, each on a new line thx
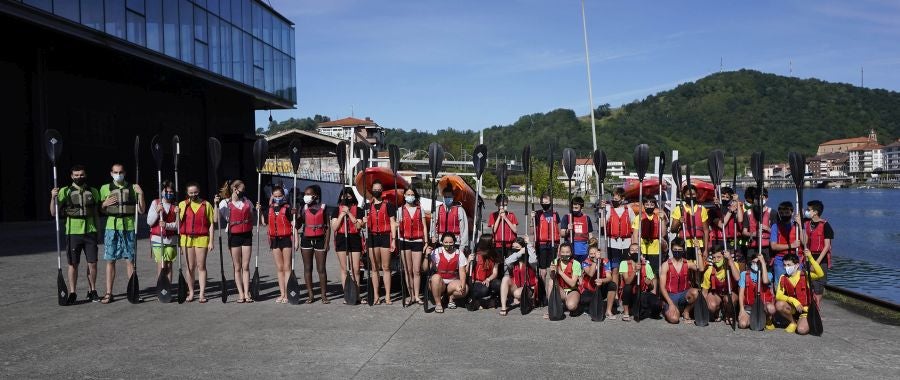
604 110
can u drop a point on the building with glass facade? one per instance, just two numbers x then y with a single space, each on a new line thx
103 71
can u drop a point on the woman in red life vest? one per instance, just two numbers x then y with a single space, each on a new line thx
752 217
628 281
618 230
503 225
163 229
715 287
792 297
450 217
578 227
675 285
197 216
280 234
747 294
346 222
566 271
522 262
236 211
590 282
818 235
381 225
547 235
311 222
486 273
412 232
450 273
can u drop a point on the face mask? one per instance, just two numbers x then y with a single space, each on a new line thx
764 201
576 213
807 214
410 199
277 200
719 263
238 192
790 270
615 203
725 204
448 201
649 210
545 206
633 256
784 217
448 247
677 255
169 196
754 267
194 198
691 199
565 258
308 199
376 193
78 181
118 177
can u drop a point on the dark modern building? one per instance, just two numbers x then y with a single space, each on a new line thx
103 71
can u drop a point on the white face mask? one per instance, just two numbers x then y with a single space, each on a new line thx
790 270
754 267
410 199
308 199
807 214
764 201
118 178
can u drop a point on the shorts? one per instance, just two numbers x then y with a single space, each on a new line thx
379 240
118 245
415 246
679 299
579 248
546 254
280 242
653 262
351 244
690 253
82 242
615 257
163 252
194 241
243 239
315 243
818 286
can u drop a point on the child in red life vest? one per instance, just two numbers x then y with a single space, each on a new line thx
566 272
792 297
236 210
450 273
818 235
591 282
280 238
381 226
346 222
577 226
522 262
718 287
503 225
485 273
628 282
314 231
675 286
748 283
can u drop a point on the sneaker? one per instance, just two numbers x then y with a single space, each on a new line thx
770 326
92 295
451 305
791 328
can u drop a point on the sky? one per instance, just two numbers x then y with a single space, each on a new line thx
472 64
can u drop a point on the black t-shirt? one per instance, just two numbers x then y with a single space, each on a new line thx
391 209
829 233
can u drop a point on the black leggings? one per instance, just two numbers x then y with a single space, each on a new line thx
479 291
320 267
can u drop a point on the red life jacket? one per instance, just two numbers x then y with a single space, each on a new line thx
815 238
754 224
587 282
786 236
649 229
547 230
378 221
619 226
517 276
411 225
504 234
716 231
448 221
314 222
720 287
579 227
677 282
195 223
765 293
694 226
448 269
167 217
799 291
630 272
240 219
484 269
279 224
351 227
568 271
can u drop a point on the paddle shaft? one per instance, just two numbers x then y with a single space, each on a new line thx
56 220
258 216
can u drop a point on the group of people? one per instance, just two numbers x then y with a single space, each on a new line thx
722 251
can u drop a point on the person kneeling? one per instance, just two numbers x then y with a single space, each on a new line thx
675 286
749 283
523 273
565 271
716 287
792 298
591 282
450 276
628 282
485 285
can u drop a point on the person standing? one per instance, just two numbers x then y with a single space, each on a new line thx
163 229
78 203
236 211
818 235
197 217
411 230
314 239
577 226
547 233
785 238
503 226
346 221
618 230
652 222
381 225
120 199
450 217
280 238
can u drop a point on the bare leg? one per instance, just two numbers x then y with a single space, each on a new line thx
385 254
200 262
238 272
246 255
92 275
110 275
374 264
279 271
307 254
73 277
323 275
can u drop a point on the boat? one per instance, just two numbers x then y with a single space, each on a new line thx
651 187
387 178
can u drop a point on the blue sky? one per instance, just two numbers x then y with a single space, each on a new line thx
432 64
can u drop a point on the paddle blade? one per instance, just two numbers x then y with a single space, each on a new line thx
156 151
394 154
676 175
479 159
662 166
715 163
176 150
137 150
596 308
636 305
555 307
62 291
163 287
53 146
435 158
260 150
757 314
254 285
182 287
527 303
600 164
641 160
501 176
134 289
341 152
214 148
526 159
798 169
814 319
757 160
568 162
351 292
687 175
701 312
293 290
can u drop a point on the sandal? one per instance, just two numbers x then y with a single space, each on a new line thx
202 300
325 300
547 316
309 300
420 301
240 300
503 312
107 298
626 318
250 300
611 317
439 309
378 301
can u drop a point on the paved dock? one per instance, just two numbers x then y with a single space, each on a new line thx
39 339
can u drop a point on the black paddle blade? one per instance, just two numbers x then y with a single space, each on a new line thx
526 159
814 319
479 160
501 176
641 160
214 148
254 285
596 309
687 174
134 289
798 169
182 287
260 150
636 305
351 292
295 154
341 152
62 291
757 314
293 289
156 151
426 283
53 146
676 175
757 160
527 303
435 158
568 162
600 164
701 311
163 287
370 290
662 167
176 150
715 163
555 307
394 154
224 283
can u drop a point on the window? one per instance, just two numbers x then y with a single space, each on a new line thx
200 54
154 24
215 47
236 13
200 32
115 18
258 78
276 72
67 9
266 26
170 28
257 53
247 44
257 20
236 54
187 30
136 6
46 5
269 68
213 6
276 33
136 28
92 13
225 9
245 15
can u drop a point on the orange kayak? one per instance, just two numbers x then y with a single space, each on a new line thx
651 187
386 177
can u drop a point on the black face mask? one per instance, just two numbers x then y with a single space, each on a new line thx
546 206
677 255
576 213
348 201
691 200
376 193
78 181
633 257
649 210
784 218
615 203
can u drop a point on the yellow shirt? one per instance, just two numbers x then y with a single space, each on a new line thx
648 246
815 273
707 277
688 223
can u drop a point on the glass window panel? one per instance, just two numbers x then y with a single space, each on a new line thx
136 6
170 28
259 80
136 30
214 46
258 53
248 58
225 47
201 51
276 72
276 33
213 6
67 9
92 13
270 69
236 54
257 20
236 13
286 76
200 32
46 5
186 16
267 26
246 16
293 47
201 3
293 88
225 9
154 24
115 18
286 39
